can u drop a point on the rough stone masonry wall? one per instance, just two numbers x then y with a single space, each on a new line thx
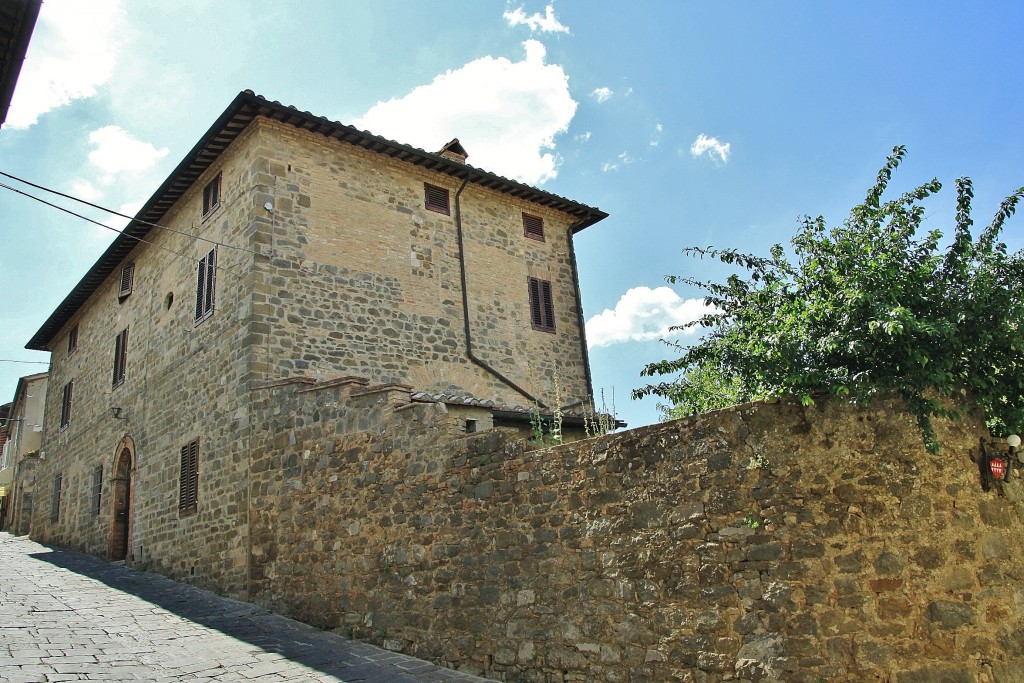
363 280
766 542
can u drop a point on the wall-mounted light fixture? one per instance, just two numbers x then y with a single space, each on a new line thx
998 467
116 411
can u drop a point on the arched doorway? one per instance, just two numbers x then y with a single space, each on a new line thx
121 503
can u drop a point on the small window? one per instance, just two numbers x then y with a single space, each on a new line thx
533 226
72 340
65 405
127 281
188 484
55 499
120 357
470 426
97 490
211 196
542 309
436 199
206 279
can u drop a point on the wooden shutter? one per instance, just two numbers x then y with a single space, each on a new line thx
200 288
548 305
189 480
97 489
533 226
436 199
542 308
211 195
536 317
65 406
206 284
120 357
127 280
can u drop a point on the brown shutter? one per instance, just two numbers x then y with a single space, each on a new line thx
533 226
200 288
536 317
65 406
211 281
127 278
120 356
189 478
436 198
549 307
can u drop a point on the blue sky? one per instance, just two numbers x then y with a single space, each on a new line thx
690 123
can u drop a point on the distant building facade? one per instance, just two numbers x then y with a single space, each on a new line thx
24 430
291 253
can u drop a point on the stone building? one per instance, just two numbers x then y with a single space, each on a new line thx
289 256
23 426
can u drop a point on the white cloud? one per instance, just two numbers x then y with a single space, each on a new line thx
602 94
115 151
582 137
506 114
546 23
644 314
73 51
131 208
83 189
710 146
656 136
624 159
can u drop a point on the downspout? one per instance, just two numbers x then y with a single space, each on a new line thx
579 303
465 306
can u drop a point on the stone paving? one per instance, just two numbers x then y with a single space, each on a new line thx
65 616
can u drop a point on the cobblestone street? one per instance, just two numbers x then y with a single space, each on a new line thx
65 616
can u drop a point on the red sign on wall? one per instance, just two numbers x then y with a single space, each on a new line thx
998 467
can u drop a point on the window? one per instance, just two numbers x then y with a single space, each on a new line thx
127 281
436 199
120 357
206 280
211 196
188 484
97 490
533 226
542 310
65 405
55 499
72 339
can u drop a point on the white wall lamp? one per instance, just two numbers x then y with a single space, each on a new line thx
999 467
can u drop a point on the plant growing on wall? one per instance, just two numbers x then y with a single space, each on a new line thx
864 307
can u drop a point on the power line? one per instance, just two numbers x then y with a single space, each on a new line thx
38 362
107 227
122 215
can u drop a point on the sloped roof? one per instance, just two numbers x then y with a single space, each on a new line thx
17 20
245 108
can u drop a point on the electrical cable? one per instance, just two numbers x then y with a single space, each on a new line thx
107 227
122 215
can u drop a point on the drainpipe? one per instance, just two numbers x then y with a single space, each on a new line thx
465 305
579 303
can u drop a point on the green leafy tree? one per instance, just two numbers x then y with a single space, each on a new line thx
866 307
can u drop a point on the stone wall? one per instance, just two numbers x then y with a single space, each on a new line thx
183 381
363 280
766 542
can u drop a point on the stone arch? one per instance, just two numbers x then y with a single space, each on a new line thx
122 497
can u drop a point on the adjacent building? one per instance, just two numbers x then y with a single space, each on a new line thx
22 431
293 261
